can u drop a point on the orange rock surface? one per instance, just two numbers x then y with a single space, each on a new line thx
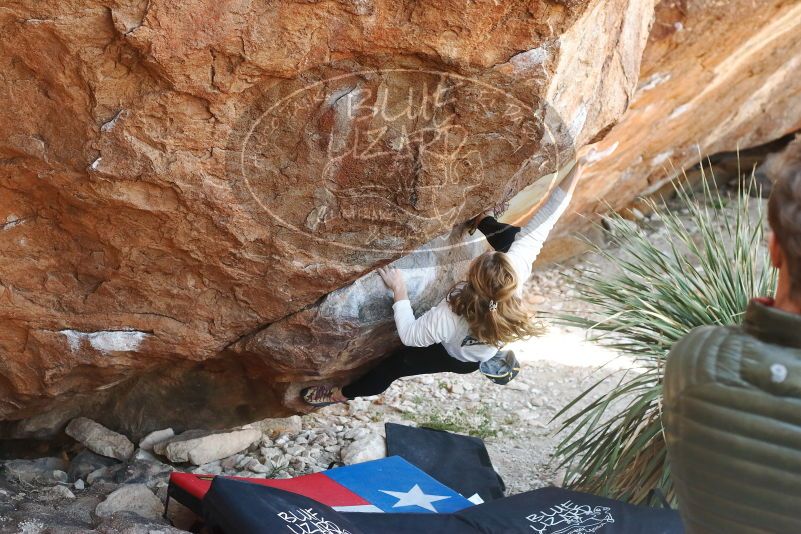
716 76
186 186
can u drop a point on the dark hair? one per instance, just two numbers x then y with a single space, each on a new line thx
784 214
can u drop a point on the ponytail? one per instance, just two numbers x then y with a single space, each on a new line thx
489 303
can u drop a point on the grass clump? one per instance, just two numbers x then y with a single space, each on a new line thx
478 424
714 262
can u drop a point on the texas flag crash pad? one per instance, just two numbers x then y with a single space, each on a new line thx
387 485
235 507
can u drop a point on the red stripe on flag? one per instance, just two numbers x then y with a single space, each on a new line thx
316 486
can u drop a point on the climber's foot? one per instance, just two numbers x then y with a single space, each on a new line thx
322 395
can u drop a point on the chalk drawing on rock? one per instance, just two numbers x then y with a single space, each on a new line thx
384 147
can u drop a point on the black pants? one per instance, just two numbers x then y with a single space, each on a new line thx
411 361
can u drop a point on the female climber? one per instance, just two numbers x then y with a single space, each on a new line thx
466 331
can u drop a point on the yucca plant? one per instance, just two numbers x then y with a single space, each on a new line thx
614 446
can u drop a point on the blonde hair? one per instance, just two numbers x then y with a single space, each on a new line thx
492 280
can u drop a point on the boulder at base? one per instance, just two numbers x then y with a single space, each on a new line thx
134 498
200 447
100 439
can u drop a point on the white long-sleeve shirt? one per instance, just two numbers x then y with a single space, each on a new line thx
441 325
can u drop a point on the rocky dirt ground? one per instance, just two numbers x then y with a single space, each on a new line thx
95 491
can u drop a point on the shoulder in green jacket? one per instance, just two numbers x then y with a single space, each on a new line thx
732 418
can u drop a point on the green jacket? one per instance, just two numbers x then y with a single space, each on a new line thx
732 414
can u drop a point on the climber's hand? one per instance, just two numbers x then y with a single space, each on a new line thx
394 281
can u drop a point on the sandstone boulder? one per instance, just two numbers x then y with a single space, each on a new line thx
199 447
183 174
705 86
135 498
100 439
155 437
373 446
194 196
776 164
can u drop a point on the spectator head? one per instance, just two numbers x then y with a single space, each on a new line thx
784 216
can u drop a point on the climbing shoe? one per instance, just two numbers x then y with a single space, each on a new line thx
319 396
501 368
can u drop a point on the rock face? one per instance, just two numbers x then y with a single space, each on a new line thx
706 85
776 164
186 186
177 177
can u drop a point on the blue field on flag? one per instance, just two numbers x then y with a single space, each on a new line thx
394 485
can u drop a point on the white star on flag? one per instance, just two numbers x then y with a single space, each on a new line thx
415 497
